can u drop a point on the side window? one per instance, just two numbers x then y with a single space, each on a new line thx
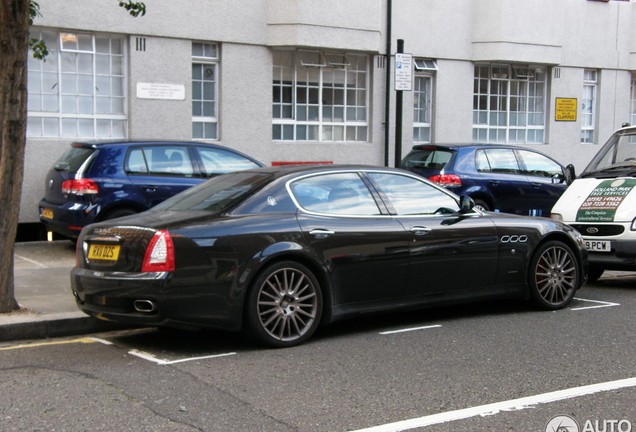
502 161
162 160
539 165
219 161
410 196
481 161
341 194
136 163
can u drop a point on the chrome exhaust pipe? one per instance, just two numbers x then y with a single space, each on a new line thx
145 306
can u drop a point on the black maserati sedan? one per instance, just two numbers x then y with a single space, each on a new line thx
277 251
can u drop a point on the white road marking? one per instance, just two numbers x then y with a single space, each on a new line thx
495 408
152 358
101 341
37 263
409 329
602 304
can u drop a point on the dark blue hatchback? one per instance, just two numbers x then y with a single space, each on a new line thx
96 181
508 179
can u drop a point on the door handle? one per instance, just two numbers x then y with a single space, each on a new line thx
494 182
320 233
149 188
536 185
420 230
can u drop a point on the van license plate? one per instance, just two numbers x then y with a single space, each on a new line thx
103 252
47 213
598 245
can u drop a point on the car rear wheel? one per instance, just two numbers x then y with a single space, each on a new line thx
481 205
284 305
117 213
553 276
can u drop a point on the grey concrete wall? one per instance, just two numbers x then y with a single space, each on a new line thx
568 34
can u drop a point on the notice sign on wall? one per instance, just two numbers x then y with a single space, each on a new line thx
160 91
565 109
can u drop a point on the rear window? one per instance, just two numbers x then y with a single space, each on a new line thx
427 158
217 194
73 159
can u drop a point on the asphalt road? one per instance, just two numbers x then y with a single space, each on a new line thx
432 370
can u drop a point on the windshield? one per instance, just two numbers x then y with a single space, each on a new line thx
616 158
217 194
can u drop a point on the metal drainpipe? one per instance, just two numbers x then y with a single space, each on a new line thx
387 104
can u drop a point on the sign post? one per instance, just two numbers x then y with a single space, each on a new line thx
403 82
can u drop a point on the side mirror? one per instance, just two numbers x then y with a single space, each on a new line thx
466 204
570 174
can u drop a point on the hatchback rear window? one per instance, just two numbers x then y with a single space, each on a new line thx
73 159
427 158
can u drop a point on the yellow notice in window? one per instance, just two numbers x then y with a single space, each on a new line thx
565 109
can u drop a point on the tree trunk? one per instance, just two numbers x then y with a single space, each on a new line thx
14 36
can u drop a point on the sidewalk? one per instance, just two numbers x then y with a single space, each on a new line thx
43 286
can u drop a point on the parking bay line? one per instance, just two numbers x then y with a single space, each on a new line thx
495 408
152 358
409 329
602 304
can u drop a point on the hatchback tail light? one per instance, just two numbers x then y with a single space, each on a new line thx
446 180
80 187
159 253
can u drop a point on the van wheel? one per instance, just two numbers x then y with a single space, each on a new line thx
594 273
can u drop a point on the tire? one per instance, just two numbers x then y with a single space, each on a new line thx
553 275
481 205
284 305
594 273
117 213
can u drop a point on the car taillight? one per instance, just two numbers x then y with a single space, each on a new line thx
79 187
159 253
446 180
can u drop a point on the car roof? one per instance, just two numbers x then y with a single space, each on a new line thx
297 170
101 143
455 146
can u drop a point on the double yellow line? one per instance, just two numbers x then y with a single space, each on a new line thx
80 340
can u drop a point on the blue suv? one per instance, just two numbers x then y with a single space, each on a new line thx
96 181
508 179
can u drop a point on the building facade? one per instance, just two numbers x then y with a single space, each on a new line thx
306 80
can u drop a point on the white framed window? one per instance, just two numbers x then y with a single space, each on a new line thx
588 106
632 101
320 96
509 104
79 90
422 108
205 62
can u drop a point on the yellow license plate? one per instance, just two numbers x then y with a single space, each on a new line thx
47 213
103 252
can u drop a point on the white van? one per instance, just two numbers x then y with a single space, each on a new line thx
601 205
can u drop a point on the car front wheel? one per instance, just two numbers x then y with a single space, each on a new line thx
284 305
554 275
